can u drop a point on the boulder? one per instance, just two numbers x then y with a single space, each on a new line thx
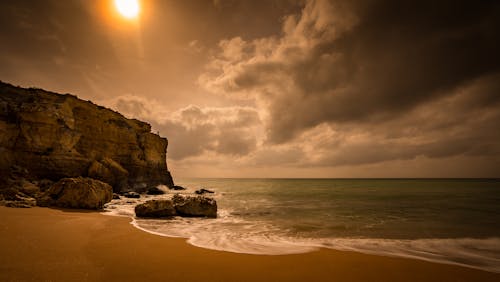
155 208
198 206
203 191
116 196
155 191
82 193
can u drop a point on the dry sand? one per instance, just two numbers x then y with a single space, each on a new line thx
41 244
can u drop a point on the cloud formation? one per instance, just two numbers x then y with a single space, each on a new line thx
353 62
367 82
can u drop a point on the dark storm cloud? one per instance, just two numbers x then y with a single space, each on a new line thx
452 125
361 62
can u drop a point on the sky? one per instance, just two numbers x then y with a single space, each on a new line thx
279 88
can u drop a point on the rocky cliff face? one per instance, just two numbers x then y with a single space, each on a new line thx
54 136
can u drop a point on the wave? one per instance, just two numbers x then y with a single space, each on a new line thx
235 234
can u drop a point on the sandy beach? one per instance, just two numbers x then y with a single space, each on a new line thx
41 244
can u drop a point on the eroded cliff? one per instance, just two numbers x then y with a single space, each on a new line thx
53 136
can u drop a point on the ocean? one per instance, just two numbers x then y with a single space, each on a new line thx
454 221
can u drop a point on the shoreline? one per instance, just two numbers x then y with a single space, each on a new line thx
76 245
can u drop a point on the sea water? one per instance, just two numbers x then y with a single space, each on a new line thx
455 221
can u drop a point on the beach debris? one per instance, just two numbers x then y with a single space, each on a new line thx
80 192
156 209
197 206
203 191
132 194
155 191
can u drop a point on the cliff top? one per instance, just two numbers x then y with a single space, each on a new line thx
18 95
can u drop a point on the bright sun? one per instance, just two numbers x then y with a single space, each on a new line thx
128 8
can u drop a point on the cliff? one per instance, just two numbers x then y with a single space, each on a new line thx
52 136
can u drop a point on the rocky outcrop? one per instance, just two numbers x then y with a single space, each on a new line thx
14 198
81 193
156 209
198 206
55 136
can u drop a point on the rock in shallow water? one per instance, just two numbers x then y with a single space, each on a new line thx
203 191
186 206
195 206
82 193
177 188
155 208
134 195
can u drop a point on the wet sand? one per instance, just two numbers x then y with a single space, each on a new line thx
42 244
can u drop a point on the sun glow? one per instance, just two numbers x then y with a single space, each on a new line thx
128 8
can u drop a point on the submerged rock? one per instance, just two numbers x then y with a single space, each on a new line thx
177 188
155 208
82 193
203 191
198 206
134 195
